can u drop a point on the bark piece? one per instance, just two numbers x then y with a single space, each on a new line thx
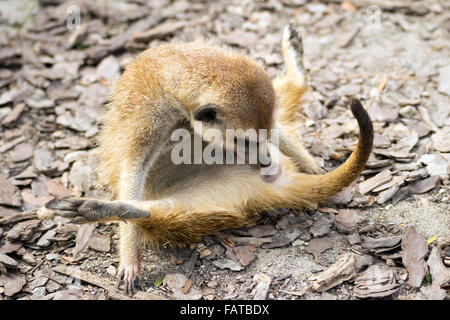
387 194
377 180
244 255
262 287
262 231
178 283
82 241
436 164
321 227
284 237
376 282
344 269
440 274
415 249
100 243
386 242
8 261
164 29
13 114
440 140
347 220
23 231
224 263
12 283
9 193
425 185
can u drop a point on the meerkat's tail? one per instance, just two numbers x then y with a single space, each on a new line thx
318 188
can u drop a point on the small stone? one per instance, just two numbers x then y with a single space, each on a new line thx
444 80
111 270
407 111
44 240
436 165
52 256
441 140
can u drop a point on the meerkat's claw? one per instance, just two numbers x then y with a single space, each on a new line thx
91 210
130 281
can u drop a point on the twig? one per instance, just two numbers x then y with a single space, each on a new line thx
113 292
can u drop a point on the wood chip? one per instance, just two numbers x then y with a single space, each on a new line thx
386 242
164 29
396 180
244 255
262 231
82 241
344 269
425 185
376 282
9 193
12 283
284 237
263 282
14 114
370 184
347 220
224 263
178 283
415 249
440 274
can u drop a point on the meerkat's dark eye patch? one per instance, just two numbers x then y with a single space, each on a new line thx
207 113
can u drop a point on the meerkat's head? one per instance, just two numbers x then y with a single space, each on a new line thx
234 106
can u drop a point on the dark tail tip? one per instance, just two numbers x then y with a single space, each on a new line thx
364 122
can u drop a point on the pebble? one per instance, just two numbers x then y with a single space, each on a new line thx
407 111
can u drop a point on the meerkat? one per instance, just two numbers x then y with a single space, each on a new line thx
181 85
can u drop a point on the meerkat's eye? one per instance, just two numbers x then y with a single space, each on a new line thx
207 113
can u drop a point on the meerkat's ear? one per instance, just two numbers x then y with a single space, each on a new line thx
207 113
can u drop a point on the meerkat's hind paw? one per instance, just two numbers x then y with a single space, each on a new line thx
130 285
90 210
292 39
292 46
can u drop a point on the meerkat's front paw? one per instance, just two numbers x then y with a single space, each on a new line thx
90 210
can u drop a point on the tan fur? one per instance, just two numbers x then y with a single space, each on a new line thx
159 92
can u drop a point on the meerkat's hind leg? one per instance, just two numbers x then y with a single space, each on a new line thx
292 85
83 210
